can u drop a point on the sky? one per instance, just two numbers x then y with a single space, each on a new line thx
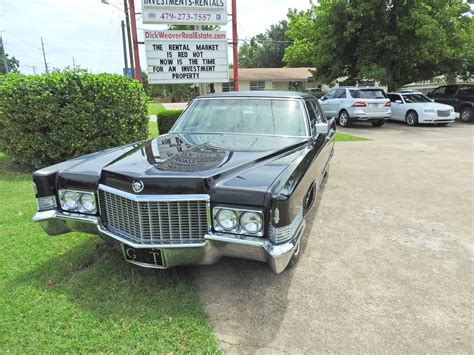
90 31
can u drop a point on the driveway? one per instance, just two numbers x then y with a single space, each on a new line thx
387 263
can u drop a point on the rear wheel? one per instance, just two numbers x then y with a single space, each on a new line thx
378 123
411 118
344 120
466 114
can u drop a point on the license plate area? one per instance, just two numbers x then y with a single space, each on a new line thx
150 257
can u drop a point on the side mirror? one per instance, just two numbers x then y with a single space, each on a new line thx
322 127
398 101
323 98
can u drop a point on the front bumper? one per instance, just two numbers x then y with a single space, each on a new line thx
209 251
427 117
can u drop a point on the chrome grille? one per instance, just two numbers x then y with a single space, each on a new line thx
444 113
154 222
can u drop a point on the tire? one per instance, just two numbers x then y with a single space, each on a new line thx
411 118
344 120
378 123
296 255
465 115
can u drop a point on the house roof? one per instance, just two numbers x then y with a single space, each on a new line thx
264 74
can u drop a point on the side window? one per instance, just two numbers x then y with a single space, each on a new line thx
394 97
315 115
466 90
354 93
451 90
340 94
330 94
439 91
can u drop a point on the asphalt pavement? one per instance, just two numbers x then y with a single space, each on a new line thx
387 258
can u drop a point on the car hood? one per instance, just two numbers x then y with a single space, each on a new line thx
430 105
199 163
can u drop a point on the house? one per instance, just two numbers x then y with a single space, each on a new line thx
259 79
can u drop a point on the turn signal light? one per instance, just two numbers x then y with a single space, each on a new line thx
359 104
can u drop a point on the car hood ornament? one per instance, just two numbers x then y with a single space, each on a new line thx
137 186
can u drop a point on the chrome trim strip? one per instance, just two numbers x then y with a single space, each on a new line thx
154 198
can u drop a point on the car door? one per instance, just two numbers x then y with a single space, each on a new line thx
326 103
339 101
323 143
397 107
445 95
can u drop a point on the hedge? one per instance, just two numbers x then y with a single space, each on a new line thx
166 119
45 119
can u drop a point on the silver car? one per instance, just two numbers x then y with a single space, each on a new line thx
354 104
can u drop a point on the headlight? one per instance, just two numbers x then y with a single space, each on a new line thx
251 222
227 219
78 201
238 221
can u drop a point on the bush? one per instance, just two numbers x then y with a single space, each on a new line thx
166 120
45 119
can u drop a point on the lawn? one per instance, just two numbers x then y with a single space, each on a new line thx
152 129
154 108
73 293
342 137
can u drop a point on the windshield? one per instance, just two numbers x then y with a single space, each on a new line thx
244 116
368 94
414 98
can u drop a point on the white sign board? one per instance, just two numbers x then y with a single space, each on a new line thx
180 57
185 12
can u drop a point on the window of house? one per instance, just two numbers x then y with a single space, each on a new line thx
226 87
257 85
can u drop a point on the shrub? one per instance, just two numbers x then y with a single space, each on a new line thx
166 120
45 119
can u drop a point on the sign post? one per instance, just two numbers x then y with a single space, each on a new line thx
180 57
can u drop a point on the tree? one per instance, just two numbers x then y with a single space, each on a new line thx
395 42
266 50
12 64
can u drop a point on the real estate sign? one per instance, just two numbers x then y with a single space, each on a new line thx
180 57
181 12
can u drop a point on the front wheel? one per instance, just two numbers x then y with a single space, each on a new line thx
466 114
411 118
344 120
378 123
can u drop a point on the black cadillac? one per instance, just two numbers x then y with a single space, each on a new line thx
235 177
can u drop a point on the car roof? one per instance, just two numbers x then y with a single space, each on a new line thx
405 93
265 94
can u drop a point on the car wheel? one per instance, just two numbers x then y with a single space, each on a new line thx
344 120
378 123
411 118
466 114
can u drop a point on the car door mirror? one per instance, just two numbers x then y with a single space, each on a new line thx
322 127
398 101
323 98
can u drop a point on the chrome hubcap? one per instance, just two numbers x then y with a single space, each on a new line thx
411 119
343 119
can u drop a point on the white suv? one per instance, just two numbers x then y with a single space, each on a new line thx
354 104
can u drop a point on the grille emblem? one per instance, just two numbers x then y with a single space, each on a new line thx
137 186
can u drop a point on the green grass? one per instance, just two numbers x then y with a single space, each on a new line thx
152 129
342 137
154 108
74 293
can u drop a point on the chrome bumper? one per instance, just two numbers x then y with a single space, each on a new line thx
214 247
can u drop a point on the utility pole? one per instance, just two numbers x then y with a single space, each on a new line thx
138 73
202 87
124 42
235 44
4 55
44 57
129 35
